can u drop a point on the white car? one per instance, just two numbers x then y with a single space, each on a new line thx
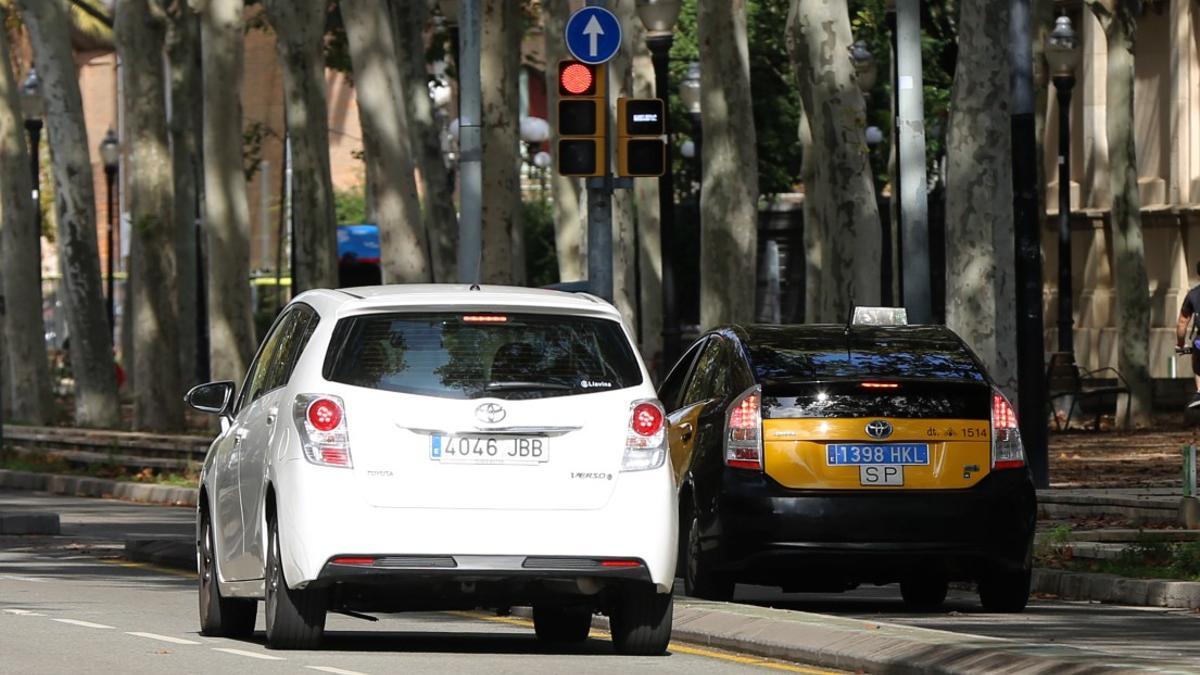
431 447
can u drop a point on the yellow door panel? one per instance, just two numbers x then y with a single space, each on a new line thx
960 453
682 428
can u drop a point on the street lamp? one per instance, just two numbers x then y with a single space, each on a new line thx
1062 53
659 17
110 154
33 107
689 94
864 65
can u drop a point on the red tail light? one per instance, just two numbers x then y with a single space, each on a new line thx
647 419
324 414
350 560
743 431
1008 452
321 421
620 563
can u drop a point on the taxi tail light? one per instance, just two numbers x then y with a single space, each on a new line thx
1007 449
321 422
743 431
645 437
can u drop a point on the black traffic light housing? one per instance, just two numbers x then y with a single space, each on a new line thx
582 119
641 124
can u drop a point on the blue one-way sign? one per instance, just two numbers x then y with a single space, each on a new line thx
593 35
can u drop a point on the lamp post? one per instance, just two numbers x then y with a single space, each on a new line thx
1062 53
866 70
534 132
110 154
689 93
33 107
659 17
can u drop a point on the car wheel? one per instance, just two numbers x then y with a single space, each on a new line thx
699 579
924 592
219 616
295 618
1006 592
562 624
641 621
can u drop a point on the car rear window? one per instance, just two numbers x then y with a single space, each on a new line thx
483 354
868 352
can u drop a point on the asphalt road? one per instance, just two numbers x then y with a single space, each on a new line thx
69 578
69 604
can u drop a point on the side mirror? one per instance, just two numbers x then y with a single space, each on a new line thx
213 398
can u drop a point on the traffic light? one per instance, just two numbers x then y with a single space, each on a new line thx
582 122
640 128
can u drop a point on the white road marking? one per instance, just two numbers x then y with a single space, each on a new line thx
253 655
85 624
14 577
164 638
23 612
335 671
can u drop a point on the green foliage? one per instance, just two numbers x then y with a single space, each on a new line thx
541 257
351 205
775 96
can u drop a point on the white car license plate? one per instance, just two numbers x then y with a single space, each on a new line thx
488 450
881 474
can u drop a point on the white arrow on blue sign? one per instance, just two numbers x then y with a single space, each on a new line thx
593 35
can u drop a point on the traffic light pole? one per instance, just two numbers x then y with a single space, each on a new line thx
599 235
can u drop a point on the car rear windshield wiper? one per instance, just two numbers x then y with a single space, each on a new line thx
525 386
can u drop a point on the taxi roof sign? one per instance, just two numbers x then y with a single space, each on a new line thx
880 316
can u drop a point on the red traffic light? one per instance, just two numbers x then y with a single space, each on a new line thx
576 78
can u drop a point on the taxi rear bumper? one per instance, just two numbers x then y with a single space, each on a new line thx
760 530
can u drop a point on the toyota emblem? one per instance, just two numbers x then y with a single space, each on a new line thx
879 429
490 413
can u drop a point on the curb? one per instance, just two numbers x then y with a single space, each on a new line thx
177 554
82 486
36 522
1113 589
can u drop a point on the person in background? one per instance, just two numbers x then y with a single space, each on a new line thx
1185 340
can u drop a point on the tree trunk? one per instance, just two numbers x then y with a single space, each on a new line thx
409 17
140 30
980 291
96 403
841 189
625 247
300 38
226 213
387 141
186 123
815 239
570 234
1042 20
500 61
729 193
1118 18
26 383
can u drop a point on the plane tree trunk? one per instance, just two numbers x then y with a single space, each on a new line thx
96 403
729 193
379 89
1118 18
299 37
500 61
570 240
840 193
980 289
226 213
26 383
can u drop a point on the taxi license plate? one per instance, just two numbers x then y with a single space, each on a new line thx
488 450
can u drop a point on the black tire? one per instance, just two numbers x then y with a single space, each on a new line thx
1005 592
924 593
562 625
699 579
641 621
219 616
295 618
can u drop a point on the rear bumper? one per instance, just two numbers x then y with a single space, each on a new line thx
763 530
638 523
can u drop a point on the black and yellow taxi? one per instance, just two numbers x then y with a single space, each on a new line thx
822 457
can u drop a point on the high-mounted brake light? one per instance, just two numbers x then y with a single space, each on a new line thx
743 431
646 438
484 318
1008 452
321 421
879 385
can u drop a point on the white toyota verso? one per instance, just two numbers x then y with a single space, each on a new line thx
439 447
